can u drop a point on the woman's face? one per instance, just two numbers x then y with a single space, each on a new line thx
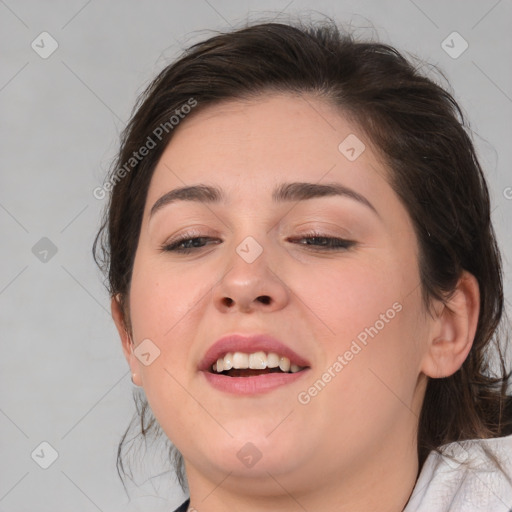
262 265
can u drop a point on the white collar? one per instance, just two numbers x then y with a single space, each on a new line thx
472 483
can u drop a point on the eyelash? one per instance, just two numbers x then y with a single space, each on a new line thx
333 243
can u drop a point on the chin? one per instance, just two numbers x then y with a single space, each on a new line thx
255 455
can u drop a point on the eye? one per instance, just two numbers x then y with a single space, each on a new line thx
318 241
187 244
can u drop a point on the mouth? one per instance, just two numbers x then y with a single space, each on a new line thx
251 365
240 364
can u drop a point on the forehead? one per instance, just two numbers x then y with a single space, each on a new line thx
249 144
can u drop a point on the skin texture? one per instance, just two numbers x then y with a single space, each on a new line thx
352 447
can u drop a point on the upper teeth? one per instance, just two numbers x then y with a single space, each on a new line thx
254 361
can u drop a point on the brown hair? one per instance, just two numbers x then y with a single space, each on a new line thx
422 135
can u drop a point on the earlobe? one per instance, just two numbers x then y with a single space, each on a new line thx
126 339
453 330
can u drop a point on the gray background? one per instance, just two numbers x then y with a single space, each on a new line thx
63 378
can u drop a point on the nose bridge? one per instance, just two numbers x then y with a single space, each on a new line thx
249 281
252 239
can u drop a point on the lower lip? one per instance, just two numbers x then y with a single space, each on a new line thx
252 385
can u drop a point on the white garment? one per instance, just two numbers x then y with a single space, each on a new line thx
471 483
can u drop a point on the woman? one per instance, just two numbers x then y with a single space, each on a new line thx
306 282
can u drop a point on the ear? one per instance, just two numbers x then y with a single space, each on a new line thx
126 339
454 329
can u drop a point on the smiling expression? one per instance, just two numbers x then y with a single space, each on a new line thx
256 224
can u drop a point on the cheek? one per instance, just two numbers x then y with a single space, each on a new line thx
159 298
368 330
355 297
162 309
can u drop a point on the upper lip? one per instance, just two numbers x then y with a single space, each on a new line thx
248 344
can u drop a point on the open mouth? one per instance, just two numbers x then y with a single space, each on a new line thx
239 364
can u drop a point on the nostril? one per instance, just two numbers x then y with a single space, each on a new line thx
265 299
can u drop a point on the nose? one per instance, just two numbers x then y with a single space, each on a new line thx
250 286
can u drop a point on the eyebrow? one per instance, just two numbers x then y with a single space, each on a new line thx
296 191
